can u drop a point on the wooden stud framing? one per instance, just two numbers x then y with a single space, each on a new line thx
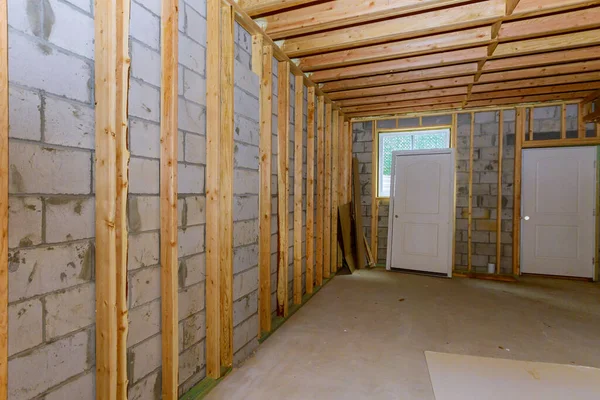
499 195
169 282
470 215
320 188
519 132
3 201
563 121
374 191
213 150
327 249
265 54
335 135
530 128
310 190
226 186
283 126
298 159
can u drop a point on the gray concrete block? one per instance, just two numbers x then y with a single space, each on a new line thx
245 283
143 250
244 307
144 101
148 388
68 124
144 358
145 26
195 25
144 176
24 221
24 117
144 322
144 138
190 179
145 63
146 206
69 310
81 388
69 219
144 285
25 328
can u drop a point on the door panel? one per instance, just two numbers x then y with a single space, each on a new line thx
421 212
558 200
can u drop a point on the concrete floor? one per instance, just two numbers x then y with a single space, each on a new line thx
357 340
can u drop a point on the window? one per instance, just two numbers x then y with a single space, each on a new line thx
407 140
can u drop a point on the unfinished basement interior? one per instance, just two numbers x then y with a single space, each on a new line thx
299 199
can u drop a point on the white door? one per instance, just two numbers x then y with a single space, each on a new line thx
558 201
422 211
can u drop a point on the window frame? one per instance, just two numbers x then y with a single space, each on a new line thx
378 133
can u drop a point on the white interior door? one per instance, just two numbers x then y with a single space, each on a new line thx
421 211
558 201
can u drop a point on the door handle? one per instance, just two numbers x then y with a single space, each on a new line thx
526 218
395 216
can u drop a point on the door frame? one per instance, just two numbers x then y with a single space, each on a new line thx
452 214
596 269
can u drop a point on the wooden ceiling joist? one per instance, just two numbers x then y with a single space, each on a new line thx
534 82
549 43
405 48
400 77
528 8
403 88
402 64
407 103
464 16
404 96
538 72
258 7
532 60
339 13
394 112
574 87
528 99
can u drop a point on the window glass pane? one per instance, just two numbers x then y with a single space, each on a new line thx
405 141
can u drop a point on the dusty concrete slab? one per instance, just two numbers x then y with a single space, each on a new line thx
364 335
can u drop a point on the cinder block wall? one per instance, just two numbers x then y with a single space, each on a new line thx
51 222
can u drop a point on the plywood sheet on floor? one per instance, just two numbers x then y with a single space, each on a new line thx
459 377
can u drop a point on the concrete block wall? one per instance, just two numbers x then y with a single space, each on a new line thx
51 206
362 147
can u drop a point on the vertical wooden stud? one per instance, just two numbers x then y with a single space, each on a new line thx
258 42
470 215
519 132
335 134
453 144
3 201
213 150
374 189
320 188
531 120
340 182
310 189
298 159
454 131
265 54
346 151
499 196
563 121
283 126
106 193
580 121
168 200
226 183
327 250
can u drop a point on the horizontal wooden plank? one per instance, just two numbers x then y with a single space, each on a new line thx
340 13
538 72
593 117
403 88
257 7
404 96
401 64
592 97
407 103
533 82
550 43
528 99
550 25
406 110
526 8
573 87
405 48
402 77
555 57
427 23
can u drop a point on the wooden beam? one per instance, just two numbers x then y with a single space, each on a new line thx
327 249
405 48
310 190
402 64
574 87
266 115
406 110
401 77
106 45
499 194
283 123
541 71
122 161
550 25
535 82
527 99
550 43
425 94
335 135
257 7
470 207
510 6
339 13
213 150
563 121
298 161
528 8
401 88
4 200
595 95
591 117
374 189
226 182
535 60
408 103
320 188
426 23
519 132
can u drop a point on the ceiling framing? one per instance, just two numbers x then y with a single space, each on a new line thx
379 57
